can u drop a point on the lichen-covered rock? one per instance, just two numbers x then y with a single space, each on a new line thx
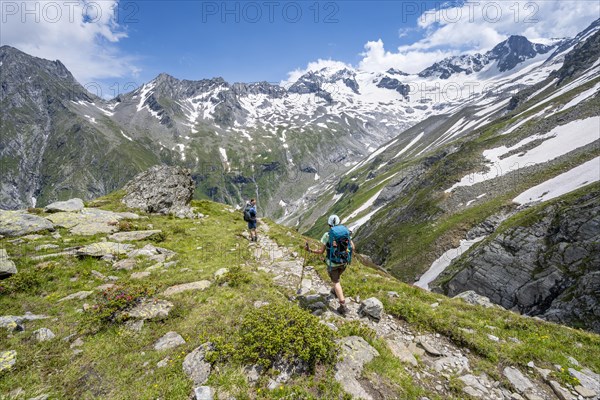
161 189
71 205
19 223
7 267
7 359
151 309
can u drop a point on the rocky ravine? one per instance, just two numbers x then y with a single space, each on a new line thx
547 264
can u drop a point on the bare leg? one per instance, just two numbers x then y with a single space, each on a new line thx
337 287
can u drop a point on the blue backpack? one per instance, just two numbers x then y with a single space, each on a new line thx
339 248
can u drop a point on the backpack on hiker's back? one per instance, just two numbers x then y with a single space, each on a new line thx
339 247
246 212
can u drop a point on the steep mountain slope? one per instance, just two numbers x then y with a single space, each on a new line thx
50 150
192 309
457 177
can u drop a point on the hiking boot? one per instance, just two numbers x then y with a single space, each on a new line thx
342 310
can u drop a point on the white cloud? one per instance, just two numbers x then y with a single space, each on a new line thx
377 59
81 34
477 27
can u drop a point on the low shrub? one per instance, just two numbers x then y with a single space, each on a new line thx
285 331
235 277
276 332
27 280
110 304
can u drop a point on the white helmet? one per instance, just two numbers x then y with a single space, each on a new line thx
333 220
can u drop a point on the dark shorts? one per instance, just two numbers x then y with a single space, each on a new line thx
251 224
335 273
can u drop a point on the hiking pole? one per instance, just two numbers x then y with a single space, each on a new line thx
299 290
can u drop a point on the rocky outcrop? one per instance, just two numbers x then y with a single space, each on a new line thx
546 263
161 189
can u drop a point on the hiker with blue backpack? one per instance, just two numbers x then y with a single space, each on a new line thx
338 246
250 218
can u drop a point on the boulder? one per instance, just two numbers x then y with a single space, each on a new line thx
371 308
7 267
169 341
133 235
19 223
71 205
161 189
195 366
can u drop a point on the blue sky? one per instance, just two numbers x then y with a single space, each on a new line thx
116 45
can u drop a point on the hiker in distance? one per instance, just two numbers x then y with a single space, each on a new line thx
250 218
338 246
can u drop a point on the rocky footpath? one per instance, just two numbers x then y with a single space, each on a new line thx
431 359
546 266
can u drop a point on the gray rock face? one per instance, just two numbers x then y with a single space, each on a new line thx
194 365
169 341
355 353
372 308
19 223
160 189
549 267
7 267
71 205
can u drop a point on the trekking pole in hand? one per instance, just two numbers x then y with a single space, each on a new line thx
303 267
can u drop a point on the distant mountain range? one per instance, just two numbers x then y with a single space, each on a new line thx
239 139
